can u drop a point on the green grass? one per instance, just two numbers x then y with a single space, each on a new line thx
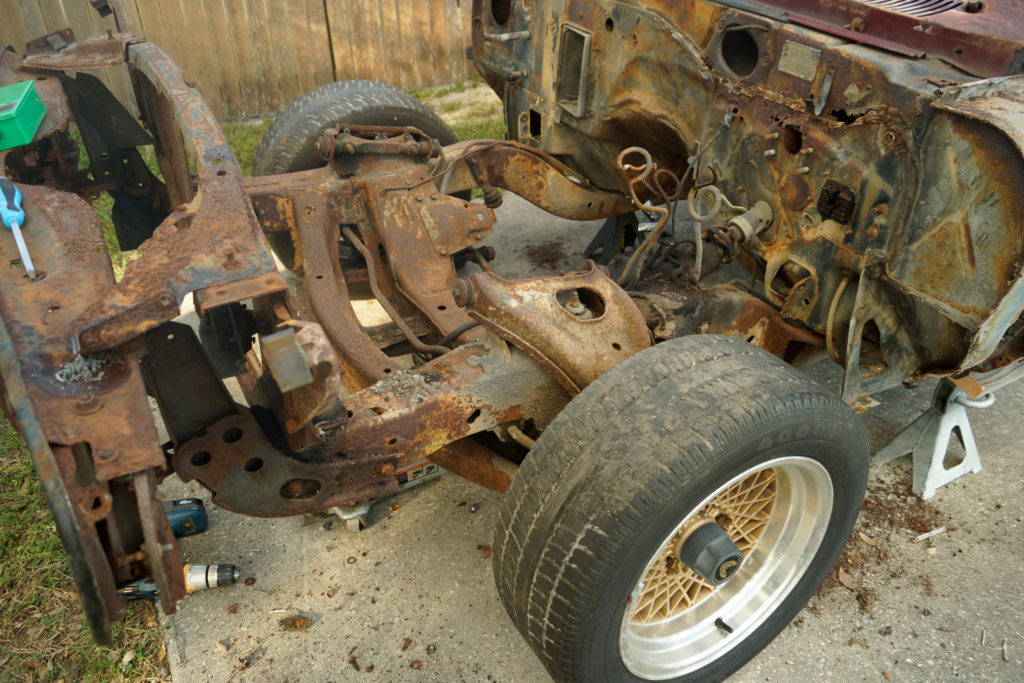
43 635
440 91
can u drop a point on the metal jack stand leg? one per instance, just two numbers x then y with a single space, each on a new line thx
927 438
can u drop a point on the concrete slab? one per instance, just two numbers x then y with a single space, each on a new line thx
411 597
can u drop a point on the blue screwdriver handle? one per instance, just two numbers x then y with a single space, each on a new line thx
10 204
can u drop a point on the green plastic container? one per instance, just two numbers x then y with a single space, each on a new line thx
21 112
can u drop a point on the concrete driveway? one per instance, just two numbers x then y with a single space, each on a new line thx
411 597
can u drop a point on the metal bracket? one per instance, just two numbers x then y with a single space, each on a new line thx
927 439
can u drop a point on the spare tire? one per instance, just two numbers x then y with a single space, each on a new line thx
289 144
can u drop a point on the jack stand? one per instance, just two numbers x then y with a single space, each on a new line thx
354 515
927 438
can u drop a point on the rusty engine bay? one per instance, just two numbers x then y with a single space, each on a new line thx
863 175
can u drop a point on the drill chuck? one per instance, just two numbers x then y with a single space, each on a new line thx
203 576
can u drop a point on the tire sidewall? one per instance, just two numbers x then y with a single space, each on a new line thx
825 438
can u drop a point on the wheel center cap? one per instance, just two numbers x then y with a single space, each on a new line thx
711 553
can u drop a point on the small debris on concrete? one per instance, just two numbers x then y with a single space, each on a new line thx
328 524
867 539
352 559
1006 655
431 649
406 643
930 534
294 623
866 599
885 631
250 581
416 665
485 551
474 507
885 675
329 593
847 580
353 662
232 608
857 641
249 659
395 507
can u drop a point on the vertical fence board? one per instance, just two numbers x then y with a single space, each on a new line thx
393 52
340 33
13 29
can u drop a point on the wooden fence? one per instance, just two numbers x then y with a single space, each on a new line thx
252 57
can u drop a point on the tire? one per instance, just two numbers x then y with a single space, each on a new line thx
289 145
694 430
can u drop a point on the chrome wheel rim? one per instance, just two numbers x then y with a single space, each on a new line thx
676 623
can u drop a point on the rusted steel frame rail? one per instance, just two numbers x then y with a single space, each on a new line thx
209 244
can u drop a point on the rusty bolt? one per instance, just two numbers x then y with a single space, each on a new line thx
857 25
444 252
872 232
769 153
461 293
419 198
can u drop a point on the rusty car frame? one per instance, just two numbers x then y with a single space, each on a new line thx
858 164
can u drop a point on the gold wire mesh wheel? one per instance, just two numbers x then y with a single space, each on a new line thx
670 587
777 512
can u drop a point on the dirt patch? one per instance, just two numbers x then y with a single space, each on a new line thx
546 255
300 624
890 516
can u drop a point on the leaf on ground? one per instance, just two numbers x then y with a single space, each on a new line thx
857 641
847 580
867 539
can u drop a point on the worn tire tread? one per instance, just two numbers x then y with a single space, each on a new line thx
578 480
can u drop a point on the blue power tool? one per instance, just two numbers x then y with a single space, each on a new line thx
187 516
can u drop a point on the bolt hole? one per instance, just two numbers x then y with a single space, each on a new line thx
617 346
792 139
392 441
501 10
222 173
53 309
199 459
609 25
97 502
233 435
319 277
442 308
300 489
387 371
806 302
350 413
254 465
472 418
